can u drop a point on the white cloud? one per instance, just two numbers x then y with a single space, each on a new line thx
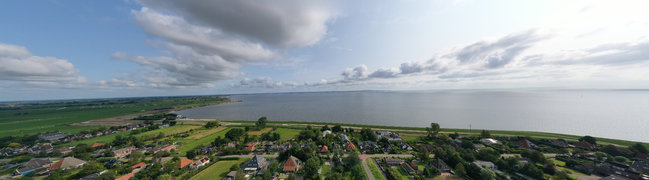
18 64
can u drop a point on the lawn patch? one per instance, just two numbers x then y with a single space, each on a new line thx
218 170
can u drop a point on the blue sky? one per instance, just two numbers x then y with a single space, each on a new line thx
86 49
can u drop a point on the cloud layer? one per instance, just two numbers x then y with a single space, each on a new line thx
209 41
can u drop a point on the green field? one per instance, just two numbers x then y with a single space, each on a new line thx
169 131
190 144
103 139
218 170
287 133
466 131
25 118
375 169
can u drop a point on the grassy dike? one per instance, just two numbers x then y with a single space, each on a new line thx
461 131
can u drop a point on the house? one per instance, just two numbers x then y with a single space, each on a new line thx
344 138
184 162
559 143
324 133
230 145
163 148
408 168
440 165
54 136
393 162
489 141
138 165
32 165
641 165
368 145
324 148
126 176
585 145
97 144
389 135
93 176
349 146
200 162
404 146
64 149
163 126
257 162
208 150
230 176
43 148
485 164
292 164
120 153
250 147
67 163
525 144
428 147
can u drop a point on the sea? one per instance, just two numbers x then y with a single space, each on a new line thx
617 114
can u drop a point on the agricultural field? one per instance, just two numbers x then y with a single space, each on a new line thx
205 132
217 170
26 118
258 133
170 130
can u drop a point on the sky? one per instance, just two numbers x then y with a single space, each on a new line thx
54 49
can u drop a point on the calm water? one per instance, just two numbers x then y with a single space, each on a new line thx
612 114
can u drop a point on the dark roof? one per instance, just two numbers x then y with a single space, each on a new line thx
614 177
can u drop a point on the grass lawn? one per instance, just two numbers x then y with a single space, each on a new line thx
287 133
218 170
402 175
375 169
205 132
410 137
257 133
189 145
326 170
169 131
559 163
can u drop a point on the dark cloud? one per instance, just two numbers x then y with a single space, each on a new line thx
208 41
496 54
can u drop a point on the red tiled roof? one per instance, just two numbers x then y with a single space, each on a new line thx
350 146
138 165
126 176
290 165
184 162
96 144
324 149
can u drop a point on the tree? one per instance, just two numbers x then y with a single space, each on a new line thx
191 154
240 176
136 156
110 175
311 168
589 139
431 172
234 134
164 177
334 176
459 170
261 122
434 127
423 154
488 154
89 169
212 124
325 128
357 172
337 128
485 134
368 134
351 160
487 174
639 148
